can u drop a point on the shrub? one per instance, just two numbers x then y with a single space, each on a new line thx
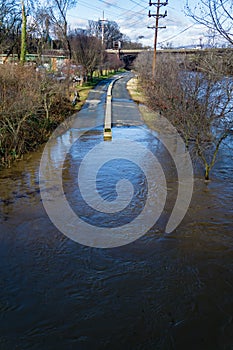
31 106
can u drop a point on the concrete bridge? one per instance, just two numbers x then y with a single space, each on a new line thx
129 55
173 51
57 57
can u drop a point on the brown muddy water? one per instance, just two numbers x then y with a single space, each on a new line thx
163 291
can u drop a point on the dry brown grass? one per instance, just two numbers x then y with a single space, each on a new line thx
149 116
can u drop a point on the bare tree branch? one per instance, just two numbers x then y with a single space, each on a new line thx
214 14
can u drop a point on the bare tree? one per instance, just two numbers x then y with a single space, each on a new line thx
142 64
217 15
131 45
10 21
86 51
14 26
113 62
58 14
111 32
39 30
197 102
206 118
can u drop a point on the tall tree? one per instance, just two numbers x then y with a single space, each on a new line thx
217 15
23 34
39 30
10 23
58 14
111 31
86 51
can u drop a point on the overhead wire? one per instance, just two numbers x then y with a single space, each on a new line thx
127 10
137 3
176 35
87 5
125 14
112 5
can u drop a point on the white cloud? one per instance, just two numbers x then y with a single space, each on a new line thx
180 30
75 22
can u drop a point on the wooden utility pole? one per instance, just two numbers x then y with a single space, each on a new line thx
157 16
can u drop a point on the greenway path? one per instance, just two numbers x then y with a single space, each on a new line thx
162 291
124 109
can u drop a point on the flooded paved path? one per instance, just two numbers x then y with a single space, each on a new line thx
163 291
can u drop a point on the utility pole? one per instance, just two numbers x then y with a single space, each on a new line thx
102 27
157 16
103 46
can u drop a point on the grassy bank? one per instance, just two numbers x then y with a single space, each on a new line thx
86 87
150 117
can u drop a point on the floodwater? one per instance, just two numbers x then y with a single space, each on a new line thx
163 291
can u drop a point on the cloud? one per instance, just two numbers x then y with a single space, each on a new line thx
75 22
180 30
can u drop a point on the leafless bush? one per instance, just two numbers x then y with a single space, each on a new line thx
30 107
112 62
87 51
198 103
143 65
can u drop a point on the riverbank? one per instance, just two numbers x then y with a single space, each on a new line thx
149 117
167 290
32 106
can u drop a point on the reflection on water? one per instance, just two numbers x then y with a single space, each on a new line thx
161 292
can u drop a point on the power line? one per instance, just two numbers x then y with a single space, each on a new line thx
176 35
137 3
125 10
126 14
72 16
140 15
113 5
96 8
134 12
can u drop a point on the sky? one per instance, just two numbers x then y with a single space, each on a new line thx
132 18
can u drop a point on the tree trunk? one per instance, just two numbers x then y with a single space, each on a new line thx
69 48
207 172
23 34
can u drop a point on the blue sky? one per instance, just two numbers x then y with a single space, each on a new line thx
132 17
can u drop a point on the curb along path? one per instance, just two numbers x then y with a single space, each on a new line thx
108 111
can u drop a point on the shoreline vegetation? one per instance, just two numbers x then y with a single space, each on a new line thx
137 94
150 117
32 105
195 99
